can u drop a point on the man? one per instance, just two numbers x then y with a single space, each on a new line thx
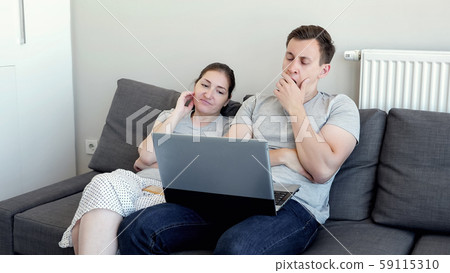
310 134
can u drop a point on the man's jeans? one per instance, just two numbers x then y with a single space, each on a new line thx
169 228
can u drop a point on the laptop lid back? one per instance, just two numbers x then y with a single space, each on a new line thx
223 173
214 165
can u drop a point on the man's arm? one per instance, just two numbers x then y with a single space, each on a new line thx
322 157
288 157
320 154
282 156
240 131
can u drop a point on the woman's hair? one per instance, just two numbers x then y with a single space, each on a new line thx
220 67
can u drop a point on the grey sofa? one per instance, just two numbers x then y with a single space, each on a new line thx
391 196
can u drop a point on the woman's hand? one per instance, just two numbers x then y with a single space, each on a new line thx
185 103
139 165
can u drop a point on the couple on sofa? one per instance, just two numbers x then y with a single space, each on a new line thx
312 136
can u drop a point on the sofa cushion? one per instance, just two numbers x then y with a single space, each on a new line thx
9 208
231 109
432 244
360 238
414 171
38 230
352 192
134 108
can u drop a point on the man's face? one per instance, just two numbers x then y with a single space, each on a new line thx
302 60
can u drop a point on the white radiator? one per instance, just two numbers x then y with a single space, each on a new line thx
405 79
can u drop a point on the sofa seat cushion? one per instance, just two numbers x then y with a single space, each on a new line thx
360 238
431 244
11 207
352 193
414 171
38 230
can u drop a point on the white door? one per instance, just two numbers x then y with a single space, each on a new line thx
36 96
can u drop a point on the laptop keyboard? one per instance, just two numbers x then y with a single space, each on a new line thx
281 197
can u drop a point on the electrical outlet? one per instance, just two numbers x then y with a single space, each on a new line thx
91 145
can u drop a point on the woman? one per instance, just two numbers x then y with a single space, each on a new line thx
111 196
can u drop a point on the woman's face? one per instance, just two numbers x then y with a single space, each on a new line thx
211 93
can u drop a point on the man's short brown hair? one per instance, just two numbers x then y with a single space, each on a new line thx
318 33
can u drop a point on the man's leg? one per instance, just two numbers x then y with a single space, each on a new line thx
165 229
290 232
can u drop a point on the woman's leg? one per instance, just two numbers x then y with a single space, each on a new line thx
106 199
75 232
97 232
165 229
290 232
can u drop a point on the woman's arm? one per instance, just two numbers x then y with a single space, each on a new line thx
147 156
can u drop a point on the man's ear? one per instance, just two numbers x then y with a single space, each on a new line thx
324 70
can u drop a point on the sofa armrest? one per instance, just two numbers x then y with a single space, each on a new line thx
10 207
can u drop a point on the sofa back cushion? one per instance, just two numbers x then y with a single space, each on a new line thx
134 108
414 171
352 192
133 111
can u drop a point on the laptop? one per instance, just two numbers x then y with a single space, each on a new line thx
219 177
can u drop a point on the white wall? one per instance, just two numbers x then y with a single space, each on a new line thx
248 35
